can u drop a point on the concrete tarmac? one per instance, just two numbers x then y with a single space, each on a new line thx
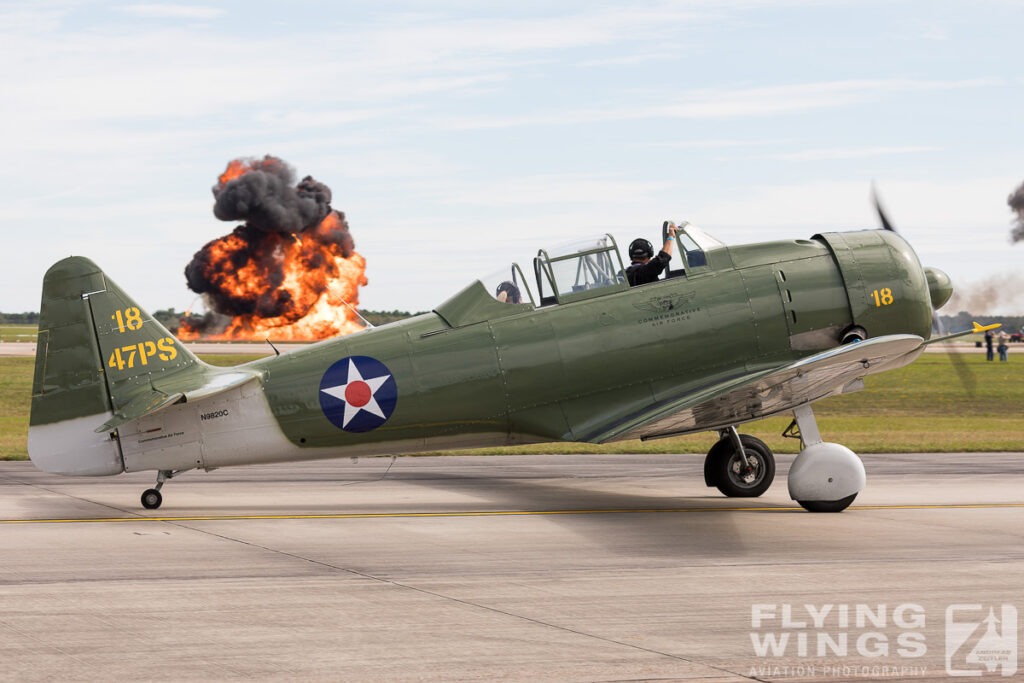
608 567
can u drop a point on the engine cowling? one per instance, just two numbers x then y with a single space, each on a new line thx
889 291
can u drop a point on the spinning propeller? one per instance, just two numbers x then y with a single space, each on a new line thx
938 282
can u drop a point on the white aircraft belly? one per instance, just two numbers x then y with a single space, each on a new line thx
72 447
234 428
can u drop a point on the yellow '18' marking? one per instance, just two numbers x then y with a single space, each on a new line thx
131 319
882 297
494 513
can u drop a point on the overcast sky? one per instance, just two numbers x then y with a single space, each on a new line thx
457 136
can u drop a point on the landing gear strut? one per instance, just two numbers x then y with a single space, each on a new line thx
739 465
825 477
152 498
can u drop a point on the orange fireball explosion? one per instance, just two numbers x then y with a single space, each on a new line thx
285 273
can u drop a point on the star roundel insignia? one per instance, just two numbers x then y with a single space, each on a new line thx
358 394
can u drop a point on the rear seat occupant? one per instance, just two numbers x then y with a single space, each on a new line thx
508 293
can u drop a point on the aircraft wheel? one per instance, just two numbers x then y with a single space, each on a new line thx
724 469
827 505
826 477
151 499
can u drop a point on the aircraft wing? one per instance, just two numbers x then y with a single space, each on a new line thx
767 392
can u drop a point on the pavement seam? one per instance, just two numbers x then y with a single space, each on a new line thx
135 515
467 603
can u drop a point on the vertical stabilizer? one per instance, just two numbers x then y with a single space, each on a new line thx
97 357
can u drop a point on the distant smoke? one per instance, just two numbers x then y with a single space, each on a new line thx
244 272
996 294
1016 202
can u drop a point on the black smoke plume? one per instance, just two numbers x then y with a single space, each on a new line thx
267 199
242 273
1016 202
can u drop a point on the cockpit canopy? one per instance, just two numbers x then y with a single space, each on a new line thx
579 270
591 267
571 272
509 286
694 243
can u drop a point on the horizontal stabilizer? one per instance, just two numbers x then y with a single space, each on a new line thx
146 404
159 398
217 384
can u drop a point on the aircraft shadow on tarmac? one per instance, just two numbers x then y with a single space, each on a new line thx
615 519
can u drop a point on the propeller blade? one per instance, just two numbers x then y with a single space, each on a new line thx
881 213
963 373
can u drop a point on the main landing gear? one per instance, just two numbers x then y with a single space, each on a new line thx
152 498
825 477
740 465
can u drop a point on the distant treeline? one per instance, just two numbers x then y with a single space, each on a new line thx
166 316
19 318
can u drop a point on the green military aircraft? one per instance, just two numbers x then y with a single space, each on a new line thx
573 353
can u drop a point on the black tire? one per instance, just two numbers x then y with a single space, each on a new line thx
151 499
827 505
723 467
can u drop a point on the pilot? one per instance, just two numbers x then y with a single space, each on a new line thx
508 293
645 266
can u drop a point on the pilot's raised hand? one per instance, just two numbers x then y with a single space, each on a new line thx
670 235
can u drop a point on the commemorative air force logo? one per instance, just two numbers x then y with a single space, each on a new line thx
358 394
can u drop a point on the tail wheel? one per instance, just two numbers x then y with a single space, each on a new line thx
151 499
724 467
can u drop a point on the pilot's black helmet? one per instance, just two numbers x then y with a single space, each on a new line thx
512 294
640 248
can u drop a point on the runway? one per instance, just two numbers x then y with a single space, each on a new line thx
610 567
